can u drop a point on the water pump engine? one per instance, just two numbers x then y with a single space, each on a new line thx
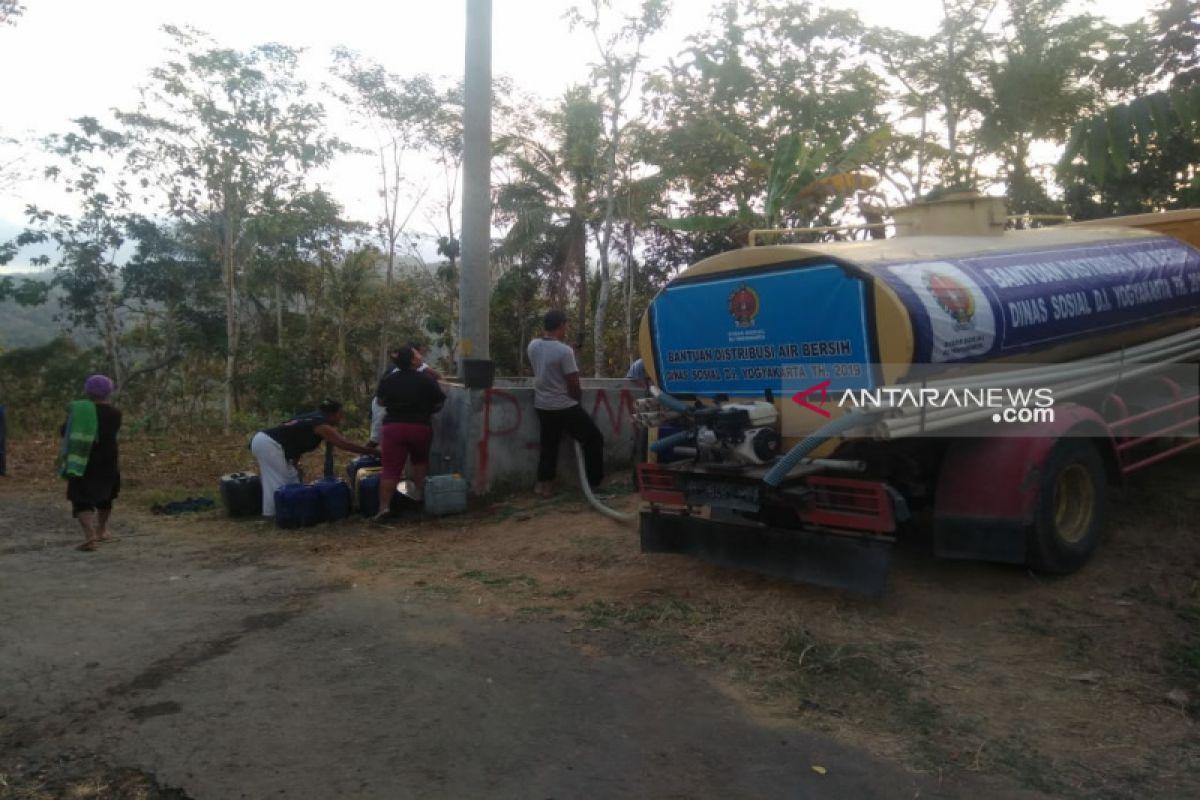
739 433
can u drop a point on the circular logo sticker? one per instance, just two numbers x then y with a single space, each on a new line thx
743 306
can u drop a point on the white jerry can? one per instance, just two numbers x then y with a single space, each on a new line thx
445 494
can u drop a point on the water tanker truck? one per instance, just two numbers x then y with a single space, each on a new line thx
811 402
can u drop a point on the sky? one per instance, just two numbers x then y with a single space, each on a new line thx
71 58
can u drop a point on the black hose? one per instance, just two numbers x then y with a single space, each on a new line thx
678 437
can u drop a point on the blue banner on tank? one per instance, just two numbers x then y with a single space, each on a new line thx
995 305
789 327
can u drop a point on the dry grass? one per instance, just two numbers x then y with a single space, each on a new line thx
101 783
1058 684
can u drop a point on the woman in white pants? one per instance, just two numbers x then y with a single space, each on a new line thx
278 449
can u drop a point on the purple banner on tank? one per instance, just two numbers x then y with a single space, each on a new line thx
994 305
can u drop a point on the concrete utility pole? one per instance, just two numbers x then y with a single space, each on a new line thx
474 285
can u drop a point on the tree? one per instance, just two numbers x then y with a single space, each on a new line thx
10 162
226 136
9 11
759 74
941 77
616 76
1142 152
173 297
88 243
641 202
516 312
1036 89
287 241
550 198
798 182
397 110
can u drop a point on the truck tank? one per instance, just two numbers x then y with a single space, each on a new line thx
865 314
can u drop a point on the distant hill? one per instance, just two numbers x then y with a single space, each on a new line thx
29 326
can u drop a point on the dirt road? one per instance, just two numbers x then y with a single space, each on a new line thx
223 669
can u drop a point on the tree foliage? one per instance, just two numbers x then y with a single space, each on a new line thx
218 280
1142 153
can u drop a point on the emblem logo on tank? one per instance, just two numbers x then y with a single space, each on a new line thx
952 297
744 306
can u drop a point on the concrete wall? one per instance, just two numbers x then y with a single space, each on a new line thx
490 436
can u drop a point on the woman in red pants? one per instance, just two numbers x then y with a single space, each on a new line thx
411 399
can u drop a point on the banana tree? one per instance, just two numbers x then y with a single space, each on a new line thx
1106 140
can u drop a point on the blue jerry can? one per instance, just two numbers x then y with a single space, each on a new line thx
297 506
335 498
368 492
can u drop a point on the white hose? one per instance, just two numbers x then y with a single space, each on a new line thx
619 516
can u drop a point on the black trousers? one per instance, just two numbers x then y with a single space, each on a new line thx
579 426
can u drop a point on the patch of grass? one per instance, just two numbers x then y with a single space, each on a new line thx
1189 614
438 592
530 613
1027 764
1028 620
502 512
563 594
1142 593
364 563
1186 660
500 581
620 486
601 614
414 564
1183 655
594 542
857 679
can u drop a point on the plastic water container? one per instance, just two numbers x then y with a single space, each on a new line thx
368 494
445 494
297 506
241 494
335 498
367 489
361 462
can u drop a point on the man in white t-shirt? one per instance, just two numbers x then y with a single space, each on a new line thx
556 397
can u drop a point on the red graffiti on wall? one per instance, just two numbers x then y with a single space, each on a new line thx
488 433
617 420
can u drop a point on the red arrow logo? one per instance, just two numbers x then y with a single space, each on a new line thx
822 387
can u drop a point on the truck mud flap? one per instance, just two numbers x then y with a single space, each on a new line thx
857 563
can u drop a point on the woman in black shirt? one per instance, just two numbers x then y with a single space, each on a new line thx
278 449
92 493
411 400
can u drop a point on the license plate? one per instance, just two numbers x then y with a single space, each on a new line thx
718 494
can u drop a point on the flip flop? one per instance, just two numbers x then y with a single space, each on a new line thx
87 547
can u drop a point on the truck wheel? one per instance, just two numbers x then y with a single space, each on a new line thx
1070 508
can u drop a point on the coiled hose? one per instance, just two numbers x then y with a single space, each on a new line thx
812 441
611 513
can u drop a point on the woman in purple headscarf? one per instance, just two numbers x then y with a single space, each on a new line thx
90 459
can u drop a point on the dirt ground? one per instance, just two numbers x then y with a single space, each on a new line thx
347 661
